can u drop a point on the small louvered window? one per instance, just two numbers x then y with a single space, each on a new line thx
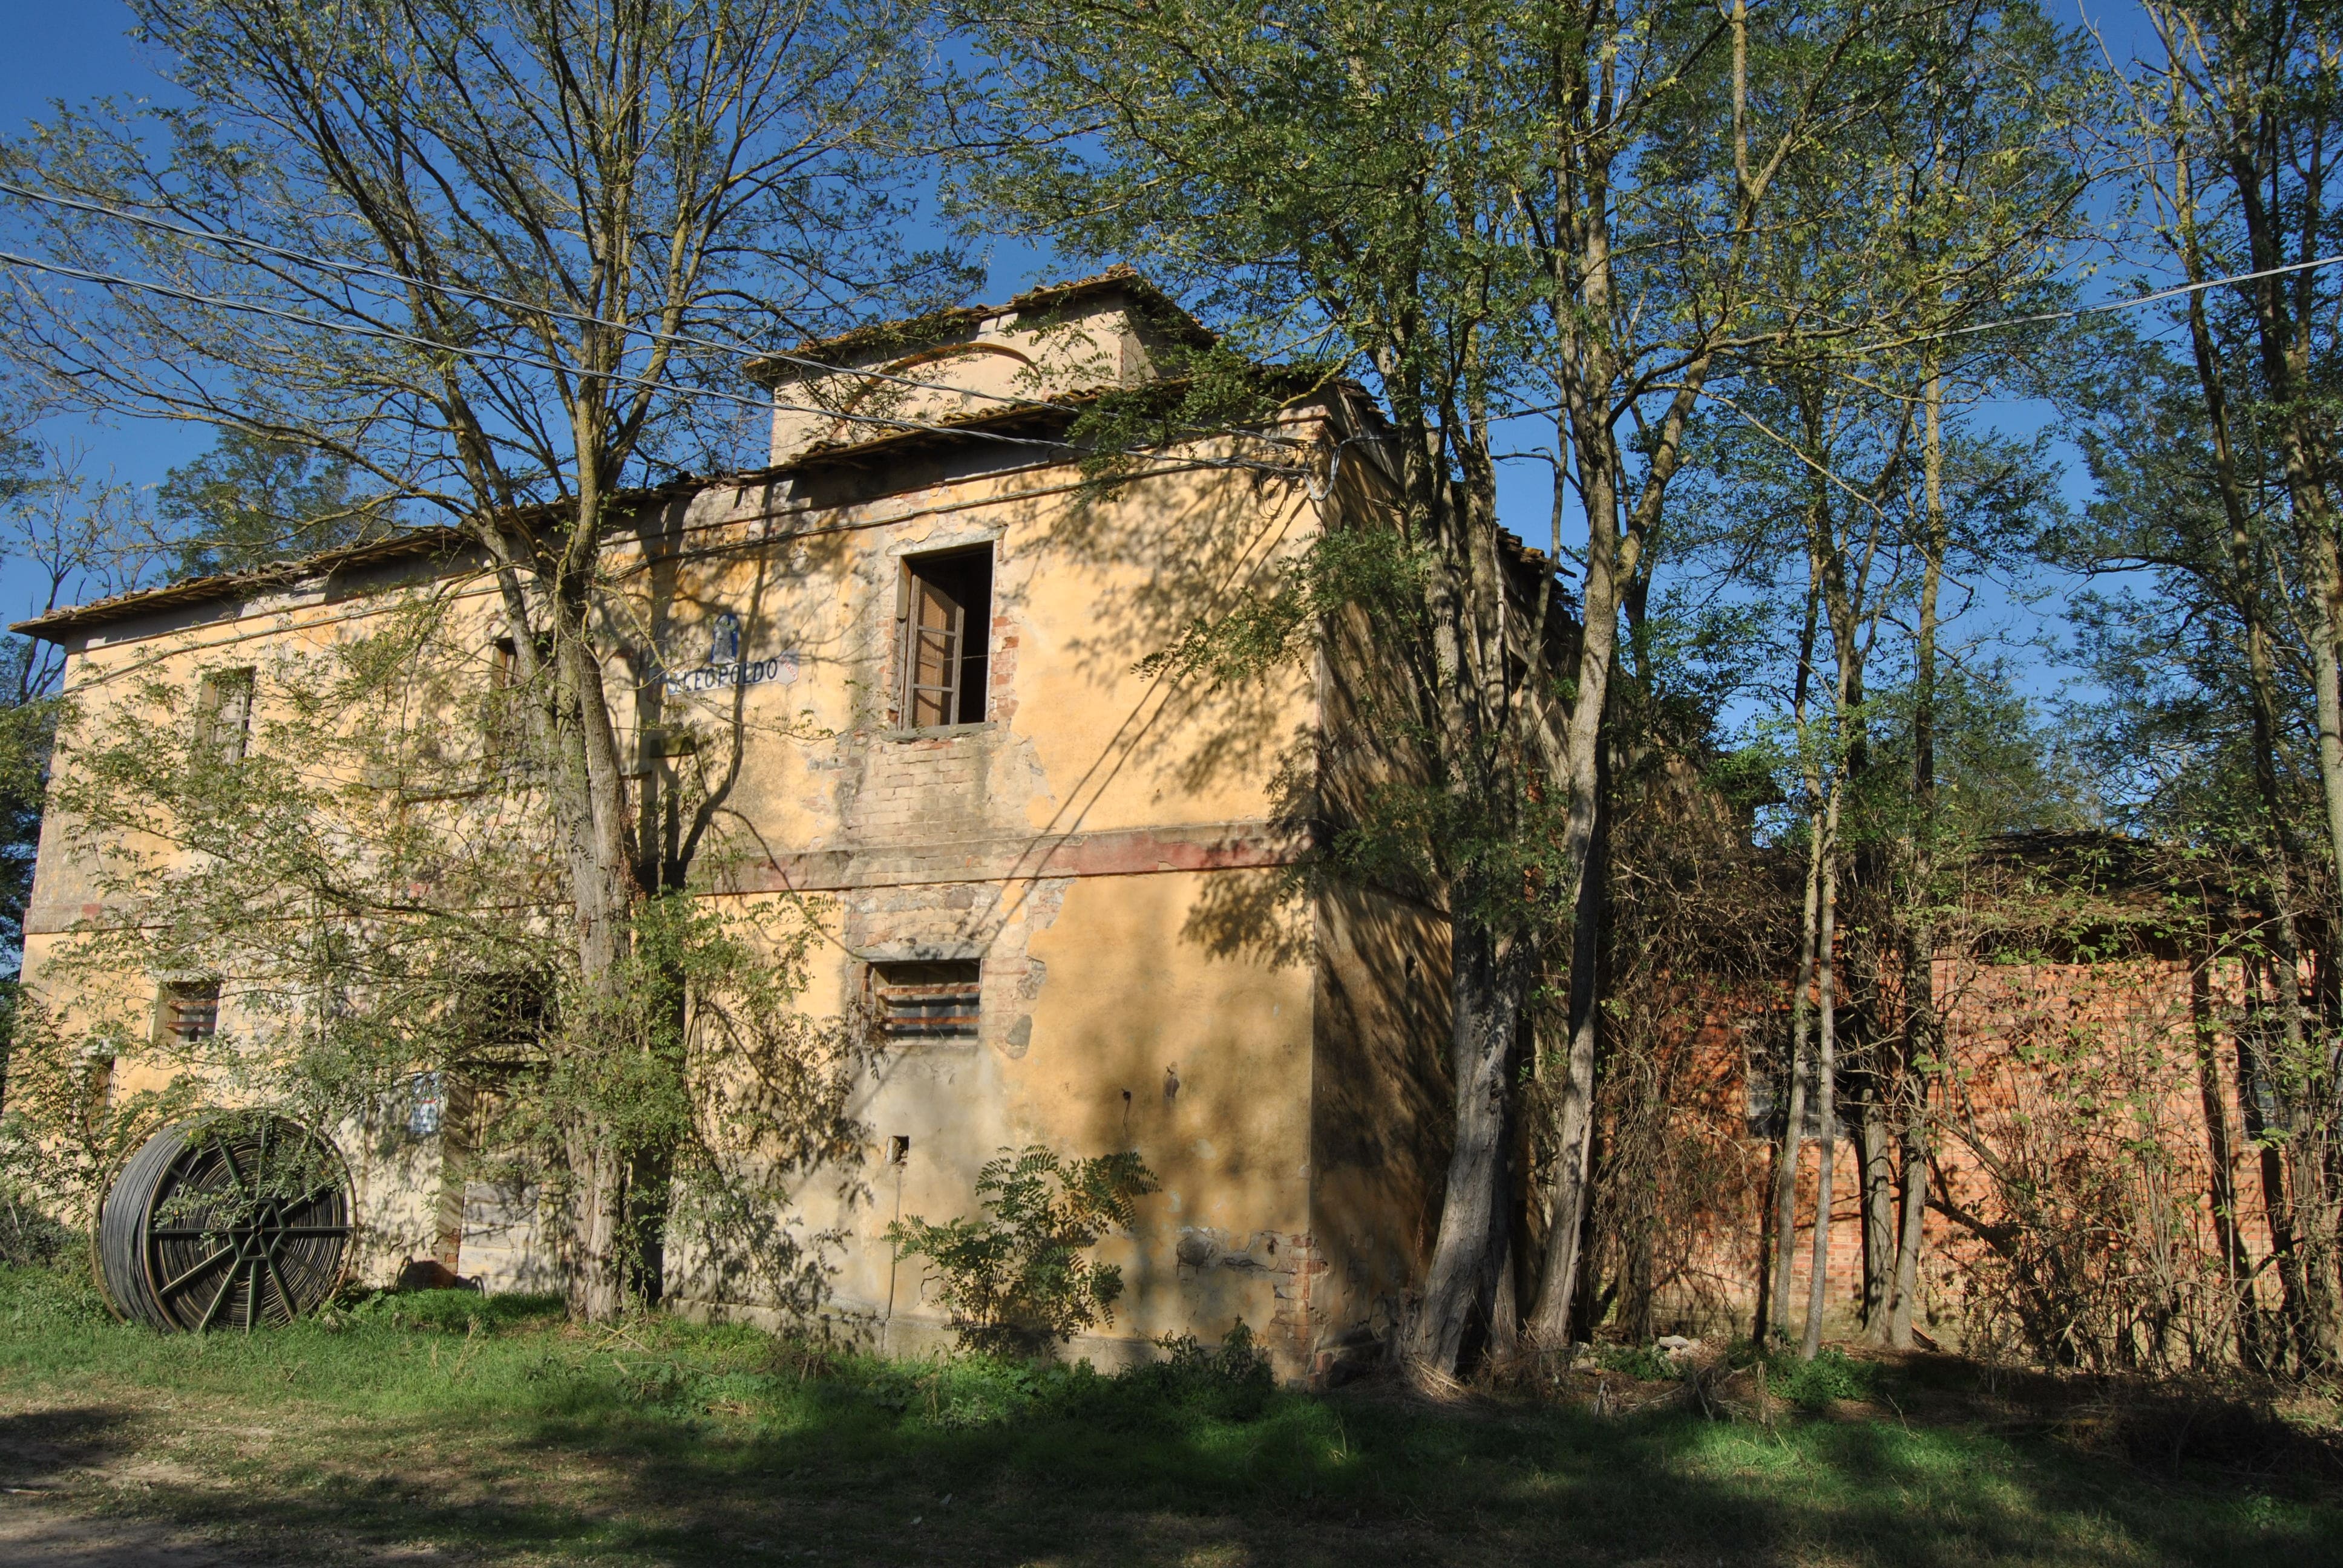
926 1001
189 1011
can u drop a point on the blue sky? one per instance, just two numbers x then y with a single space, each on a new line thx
79 51
73 52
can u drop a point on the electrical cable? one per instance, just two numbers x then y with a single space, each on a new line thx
230 239
2048 315
393 334
2103 305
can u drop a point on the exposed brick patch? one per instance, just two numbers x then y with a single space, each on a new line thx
1294 1323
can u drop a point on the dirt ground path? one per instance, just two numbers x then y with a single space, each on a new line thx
34 1534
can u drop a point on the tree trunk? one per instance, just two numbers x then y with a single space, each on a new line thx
1582 741
1495 946
1826 1074
1575 254
1923 1042
590 797
2302 1081
2259 141
2220 1161
596 1202
2278 1213
1876 1149
1568 1197
1793 1128
1489 985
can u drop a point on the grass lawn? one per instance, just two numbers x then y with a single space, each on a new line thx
440 1428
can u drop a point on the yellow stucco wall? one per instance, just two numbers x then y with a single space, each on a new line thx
1090 843
1138 1040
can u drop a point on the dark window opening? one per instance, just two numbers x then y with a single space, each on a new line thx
926 1001
501 1018
504 660
1764 1113
223 713
190 1010
507 712
947 637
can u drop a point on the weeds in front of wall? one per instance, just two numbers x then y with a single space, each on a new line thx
1814 1384
1644 1363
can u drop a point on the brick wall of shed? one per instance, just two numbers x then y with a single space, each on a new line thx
2142 1054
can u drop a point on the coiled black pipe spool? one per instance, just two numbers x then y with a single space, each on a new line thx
235 1220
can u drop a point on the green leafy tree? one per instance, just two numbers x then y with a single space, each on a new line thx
368 880
251 501
1481 209
2222 655
67 538
1834 485
488 258
1016 1279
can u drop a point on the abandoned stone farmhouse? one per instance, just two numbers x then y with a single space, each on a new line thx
907 663
1054 878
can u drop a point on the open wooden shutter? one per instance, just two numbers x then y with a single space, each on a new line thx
938 624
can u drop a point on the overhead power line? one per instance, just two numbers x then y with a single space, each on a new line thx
2048 315
234 240
507 357
2175 292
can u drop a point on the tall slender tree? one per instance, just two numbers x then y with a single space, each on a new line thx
1495 213
476 253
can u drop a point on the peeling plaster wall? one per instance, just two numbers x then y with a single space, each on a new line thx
1104 1031
974 365
1073 843
1105 843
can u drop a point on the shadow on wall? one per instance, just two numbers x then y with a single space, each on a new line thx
1259 916
1188 560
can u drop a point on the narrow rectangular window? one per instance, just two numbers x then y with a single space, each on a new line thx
1762 1111
97 1092
426 1103
926 1001
188 1012
947 637
223 713
506 720
504 660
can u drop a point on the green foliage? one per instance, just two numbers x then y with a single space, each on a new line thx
1647 1364
1231 1382
370 879
1832 1374
251 501
49 1297
450 1312
27 731
1016 1280
1194 1386
64 1127
30 1237
1365 568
